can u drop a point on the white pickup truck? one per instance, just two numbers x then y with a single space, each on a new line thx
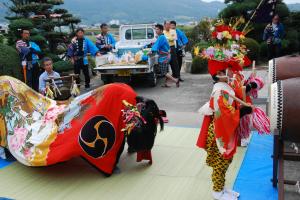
133 38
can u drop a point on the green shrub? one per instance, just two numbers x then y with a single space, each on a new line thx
263 49
10 62
201 45
14 29
293 37
199 65
92 62
55 58
253 48
63 66
285 47
61 49
1 39
40 40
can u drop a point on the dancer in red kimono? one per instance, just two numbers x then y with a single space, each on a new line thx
223 113
217 136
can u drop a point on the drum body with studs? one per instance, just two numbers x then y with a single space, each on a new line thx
283 68
284 110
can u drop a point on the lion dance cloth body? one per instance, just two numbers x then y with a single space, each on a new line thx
40 132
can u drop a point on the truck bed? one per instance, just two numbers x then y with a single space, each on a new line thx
121 67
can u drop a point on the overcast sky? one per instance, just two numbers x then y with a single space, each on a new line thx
286 1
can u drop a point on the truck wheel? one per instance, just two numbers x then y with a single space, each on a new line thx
152 78
107 78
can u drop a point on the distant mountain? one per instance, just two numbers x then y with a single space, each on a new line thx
294 7
134 11
142 11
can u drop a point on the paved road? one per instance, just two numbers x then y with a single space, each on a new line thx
180 103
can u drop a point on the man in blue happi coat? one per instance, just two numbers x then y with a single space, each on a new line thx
78 53
181 42
105 41
29 54
162 48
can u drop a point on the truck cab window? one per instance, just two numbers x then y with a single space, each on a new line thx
128 34
139 34
150 33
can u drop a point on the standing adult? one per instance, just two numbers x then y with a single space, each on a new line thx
29 53
182 41
105 41
273 34
162 48
78 53
171 36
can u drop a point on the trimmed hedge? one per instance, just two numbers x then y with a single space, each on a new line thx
63 66
1 39
92 62
253 47
263 51
14 33
10 63
199 65
55 58
288 47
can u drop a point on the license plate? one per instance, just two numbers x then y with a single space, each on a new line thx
123 73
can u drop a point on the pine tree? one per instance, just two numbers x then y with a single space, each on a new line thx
44 18
245 8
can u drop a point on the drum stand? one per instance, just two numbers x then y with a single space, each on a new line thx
279 155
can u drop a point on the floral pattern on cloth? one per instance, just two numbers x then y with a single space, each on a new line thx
24 109
39 131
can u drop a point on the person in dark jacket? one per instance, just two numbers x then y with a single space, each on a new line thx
105 41
78 53
29 54
181 42
273 34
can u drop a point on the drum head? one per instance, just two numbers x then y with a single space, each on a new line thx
65 94
272 72
276 107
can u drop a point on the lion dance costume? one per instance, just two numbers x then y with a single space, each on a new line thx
39 131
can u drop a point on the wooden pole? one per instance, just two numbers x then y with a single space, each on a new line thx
254 68
252 16
240 101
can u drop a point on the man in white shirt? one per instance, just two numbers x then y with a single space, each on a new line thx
172 39
47 64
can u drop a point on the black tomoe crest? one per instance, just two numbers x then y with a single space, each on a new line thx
97 137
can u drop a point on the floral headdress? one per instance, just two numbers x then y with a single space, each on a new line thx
227 49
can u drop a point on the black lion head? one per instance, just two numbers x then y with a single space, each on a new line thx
142 137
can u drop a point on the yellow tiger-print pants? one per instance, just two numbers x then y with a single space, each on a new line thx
216 161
